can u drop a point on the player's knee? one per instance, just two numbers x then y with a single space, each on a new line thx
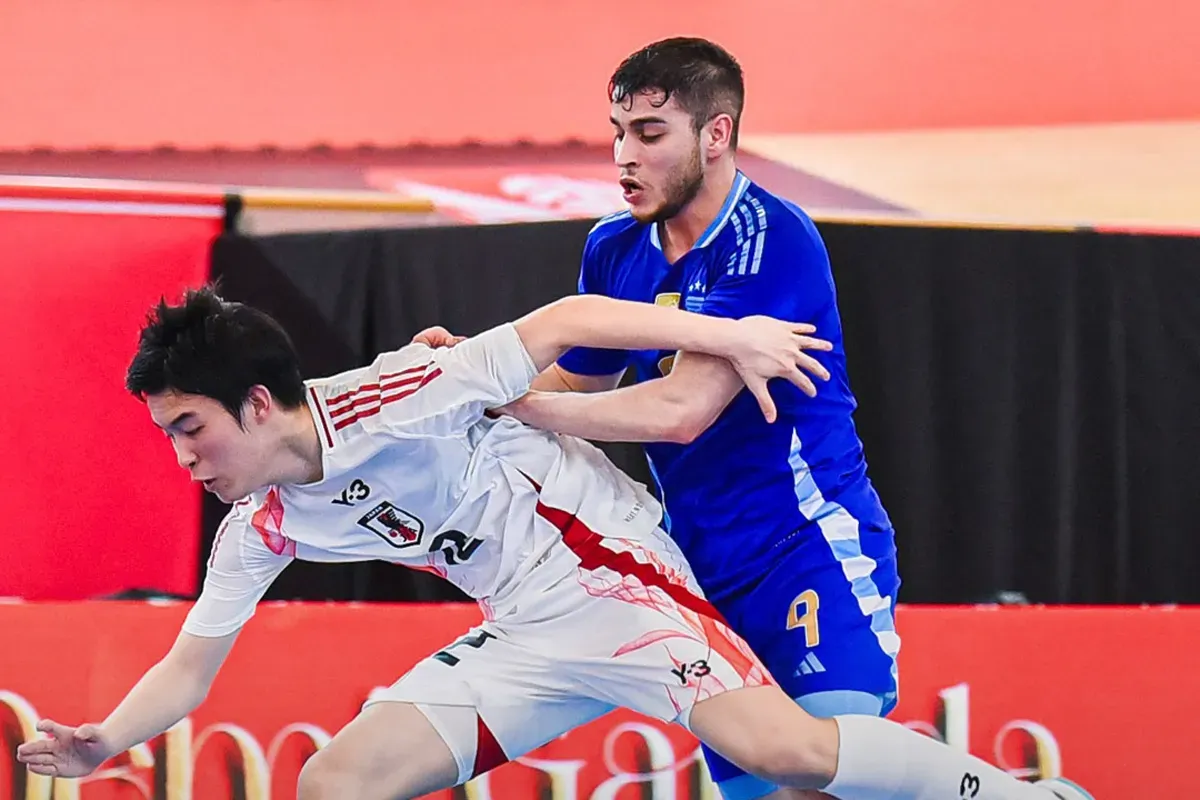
323 778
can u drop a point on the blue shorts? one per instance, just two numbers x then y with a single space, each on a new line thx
822 620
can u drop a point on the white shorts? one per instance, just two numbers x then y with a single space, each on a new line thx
603 622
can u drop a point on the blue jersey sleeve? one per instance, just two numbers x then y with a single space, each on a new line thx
782 271
594 278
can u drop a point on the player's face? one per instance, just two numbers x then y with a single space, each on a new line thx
210 444
658 151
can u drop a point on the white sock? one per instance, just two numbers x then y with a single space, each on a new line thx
881 760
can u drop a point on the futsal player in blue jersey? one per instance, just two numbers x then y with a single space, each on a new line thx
766 493
778 518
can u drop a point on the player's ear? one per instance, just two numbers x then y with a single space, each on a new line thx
257 404
717 136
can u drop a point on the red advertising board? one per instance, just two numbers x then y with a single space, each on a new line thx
1106 696
81 460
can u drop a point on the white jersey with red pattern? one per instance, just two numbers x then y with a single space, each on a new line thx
415 473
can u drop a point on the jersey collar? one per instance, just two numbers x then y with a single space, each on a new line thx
740 184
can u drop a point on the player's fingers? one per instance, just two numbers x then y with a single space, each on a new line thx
763 395
812 366
802 381
802 327
813 343
43 769
53 728
38 759
437 336
87 733
36 747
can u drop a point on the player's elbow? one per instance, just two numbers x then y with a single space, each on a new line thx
552 329
682 432
684 420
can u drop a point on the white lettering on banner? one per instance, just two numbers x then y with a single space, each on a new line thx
564 776
663 765
1041 756
1048 760
1038 755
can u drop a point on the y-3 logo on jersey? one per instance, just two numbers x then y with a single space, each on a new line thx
356 491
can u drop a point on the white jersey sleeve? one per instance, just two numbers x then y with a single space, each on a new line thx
246 558
426 392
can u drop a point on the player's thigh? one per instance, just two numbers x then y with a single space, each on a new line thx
390 750
669 655
493 695
823 623
828 640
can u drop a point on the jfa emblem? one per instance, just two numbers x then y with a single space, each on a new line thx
394 525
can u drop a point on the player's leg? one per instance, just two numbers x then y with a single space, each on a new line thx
469 708
734 783
829 640
849 757
390 750
669 655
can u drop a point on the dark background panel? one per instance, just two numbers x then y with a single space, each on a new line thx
1025 397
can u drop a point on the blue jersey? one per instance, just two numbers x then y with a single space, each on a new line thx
746 493
779 521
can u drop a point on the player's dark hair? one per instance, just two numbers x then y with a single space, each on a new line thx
702 76
215 348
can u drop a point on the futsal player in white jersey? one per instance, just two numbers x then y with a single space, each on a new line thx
589 605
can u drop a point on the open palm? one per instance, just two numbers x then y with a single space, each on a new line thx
66 752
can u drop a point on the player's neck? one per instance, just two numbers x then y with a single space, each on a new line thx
680 233
298 459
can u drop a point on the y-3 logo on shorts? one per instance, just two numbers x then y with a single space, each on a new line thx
696 669
969 787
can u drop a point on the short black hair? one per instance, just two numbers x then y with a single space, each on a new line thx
215 348
701 75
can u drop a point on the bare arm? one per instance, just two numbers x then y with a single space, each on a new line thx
556 379
168 692
676 408
758 348
603 322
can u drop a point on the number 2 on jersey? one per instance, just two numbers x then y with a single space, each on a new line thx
454 546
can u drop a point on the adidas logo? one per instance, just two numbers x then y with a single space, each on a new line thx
811 664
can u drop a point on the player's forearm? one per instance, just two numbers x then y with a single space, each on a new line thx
164 695
556 379
602 322
630 414
551 379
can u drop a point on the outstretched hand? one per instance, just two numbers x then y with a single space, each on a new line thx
66 752
766 348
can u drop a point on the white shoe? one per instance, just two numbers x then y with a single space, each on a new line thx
1065 789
